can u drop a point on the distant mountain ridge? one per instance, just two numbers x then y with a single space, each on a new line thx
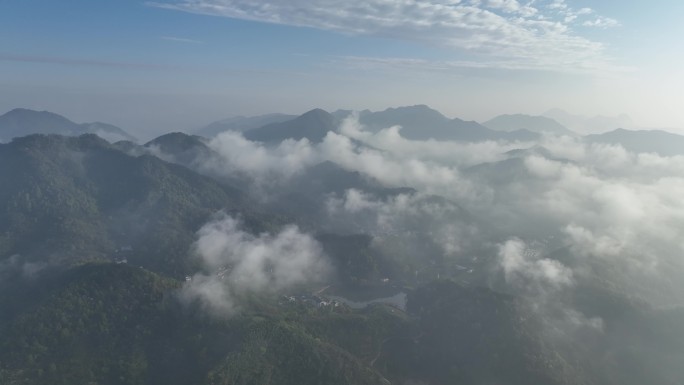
109 132
538 124
656 141
584 124
21 122
421 122
417 123
313 125
242 123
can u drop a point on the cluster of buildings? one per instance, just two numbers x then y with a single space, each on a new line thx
310 300
121 254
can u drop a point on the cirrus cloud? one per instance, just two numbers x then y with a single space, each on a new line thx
492 30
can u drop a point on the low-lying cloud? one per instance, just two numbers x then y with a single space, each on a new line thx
523 266
237 263
595 215
447 226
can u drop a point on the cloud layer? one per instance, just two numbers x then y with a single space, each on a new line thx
617 213
552 222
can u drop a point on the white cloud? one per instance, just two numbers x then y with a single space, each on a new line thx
524 266
511 6
240 263
602 22
425 168
503 31
267 165
558 4
571 15
451 153
427 227
544 282
542 167
354 202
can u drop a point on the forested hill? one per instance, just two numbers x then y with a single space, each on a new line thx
69 199
117 324
73 210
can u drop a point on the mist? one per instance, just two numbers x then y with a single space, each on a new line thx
572 229
601 204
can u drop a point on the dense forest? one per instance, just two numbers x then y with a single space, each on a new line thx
107 277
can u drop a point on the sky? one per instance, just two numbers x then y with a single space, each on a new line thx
167 65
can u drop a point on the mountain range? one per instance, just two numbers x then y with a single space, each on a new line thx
99 245
21 122
642 141
417 123
538 124
421 123
590 125
242 123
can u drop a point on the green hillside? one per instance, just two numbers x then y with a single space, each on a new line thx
65 200
116 324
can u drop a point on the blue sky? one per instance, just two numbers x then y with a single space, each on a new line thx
162 65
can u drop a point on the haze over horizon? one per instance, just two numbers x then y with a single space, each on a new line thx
159 66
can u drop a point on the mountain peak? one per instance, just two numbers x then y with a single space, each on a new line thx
418 109
316 111
29 113
423 107
317 115
23 121
21 110
178 140
313 125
